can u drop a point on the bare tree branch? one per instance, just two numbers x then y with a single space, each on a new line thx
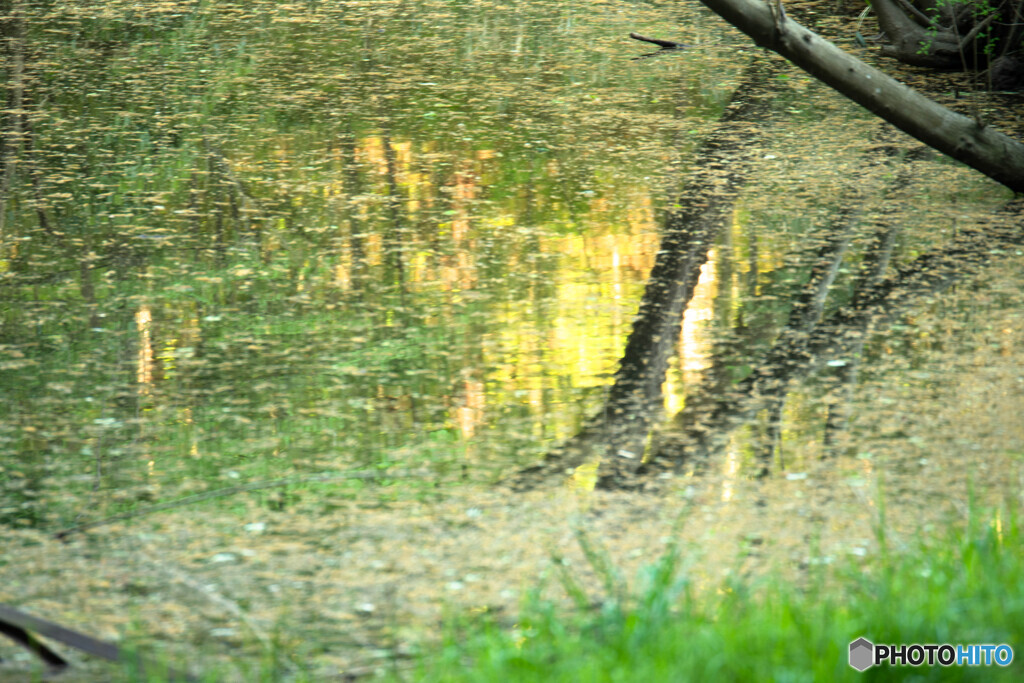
995 154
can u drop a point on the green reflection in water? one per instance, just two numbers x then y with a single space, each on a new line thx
244 239
255 237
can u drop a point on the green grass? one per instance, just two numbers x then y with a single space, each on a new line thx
964 588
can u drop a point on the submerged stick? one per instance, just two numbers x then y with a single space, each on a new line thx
664 44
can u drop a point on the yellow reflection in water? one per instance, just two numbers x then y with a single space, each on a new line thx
470 411
144 364
694 339
731 471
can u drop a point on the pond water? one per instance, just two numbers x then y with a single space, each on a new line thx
253 239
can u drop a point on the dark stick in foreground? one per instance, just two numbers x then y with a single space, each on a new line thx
21 627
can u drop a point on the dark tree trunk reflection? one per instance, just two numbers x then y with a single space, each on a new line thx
621 428
810 339
876 262
839 338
